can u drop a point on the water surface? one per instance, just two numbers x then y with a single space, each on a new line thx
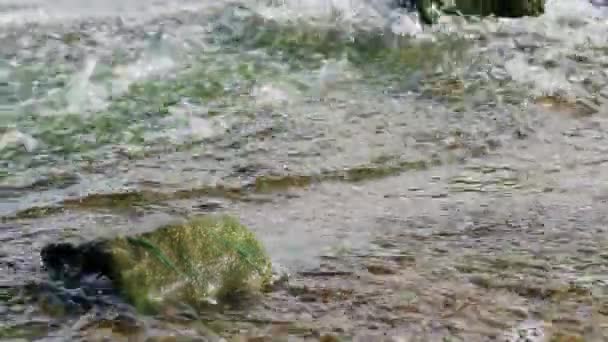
469 156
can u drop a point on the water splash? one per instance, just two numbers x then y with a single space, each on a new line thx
50 12
189 126
156 60
331 74
12 138
82 95
350 15
270 96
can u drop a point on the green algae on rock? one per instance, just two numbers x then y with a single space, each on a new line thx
304 45
205 259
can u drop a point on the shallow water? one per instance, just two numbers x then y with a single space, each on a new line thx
469 156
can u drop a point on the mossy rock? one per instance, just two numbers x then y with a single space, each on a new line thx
521 8
208 257
500 8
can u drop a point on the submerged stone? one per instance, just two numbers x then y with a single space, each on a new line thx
206 259
431 10
599 3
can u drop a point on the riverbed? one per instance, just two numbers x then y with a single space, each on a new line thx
442 183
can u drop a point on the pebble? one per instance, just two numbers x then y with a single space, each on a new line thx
575 78
17 308
527 43
500 74
183 312
126 323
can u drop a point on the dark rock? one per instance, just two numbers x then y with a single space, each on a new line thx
57 300
70 263
599 3
187 257
209 206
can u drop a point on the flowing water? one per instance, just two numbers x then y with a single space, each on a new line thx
440 183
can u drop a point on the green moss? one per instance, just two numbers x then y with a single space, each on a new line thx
273 183
117 200
381 168
208 257
126 200
71 38
29 330
134 118
34 212
7 294
564 337
265 184
369 173
304 45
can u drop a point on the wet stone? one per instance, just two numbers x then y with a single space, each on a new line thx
141 267
380 269
181 313
17 308
209 206
527 43
329 338
124 323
